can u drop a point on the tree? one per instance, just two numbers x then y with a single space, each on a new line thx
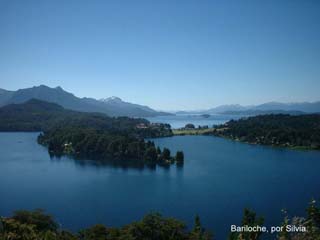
151 155
41 221
158 151
189 125
96 232
32 225
14 230
152 227
313 221
198 232
155 227
179 157
314 213
249 219
166 155
284 235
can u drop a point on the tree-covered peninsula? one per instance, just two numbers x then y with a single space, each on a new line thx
90 135
294 131
119 147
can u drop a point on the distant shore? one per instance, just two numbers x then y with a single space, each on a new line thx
278 130
211 132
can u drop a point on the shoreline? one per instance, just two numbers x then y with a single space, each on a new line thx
211 132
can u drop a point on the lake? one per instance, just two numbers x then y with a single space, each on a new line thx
180 120
219 178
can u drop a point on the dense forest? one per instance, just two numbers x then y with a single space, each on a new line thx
37 225
119 147
37 115
301 131
92 135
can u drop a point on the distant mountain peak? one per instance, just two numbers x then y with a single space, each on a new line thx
4 91
266 108
111 99
41 86
112 106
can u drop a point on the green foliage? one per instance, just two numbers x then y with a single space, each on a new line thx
195 131
155 227
102 145
38 218
36 225
313 221
313 212
166 154
37 115
151 155
198 232
152 227
179 157
32 225
310 223
249 219
301 131
18 231
284 235
158 151
189 125
65 235
97 232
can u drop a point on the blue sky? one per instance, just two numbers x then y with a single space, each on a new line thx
166 54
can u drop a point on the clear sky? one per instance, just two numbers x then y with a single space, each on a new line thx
167 54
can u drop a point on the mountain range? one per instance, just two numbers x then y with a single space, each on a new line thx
112 106
266 108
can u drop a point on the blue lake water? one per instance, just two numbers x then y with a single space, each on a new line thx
219 178
179 121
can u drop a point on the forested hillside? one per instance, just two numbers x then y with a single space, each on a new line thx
37 115
301 131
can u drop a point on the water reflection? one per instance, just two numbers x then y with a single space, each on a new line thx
123 164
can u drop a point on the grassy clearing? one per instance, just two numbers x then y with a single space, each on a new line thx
192 131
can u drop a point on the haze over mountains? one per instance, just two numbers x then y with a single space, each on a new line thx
38 115
113 106
266 108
